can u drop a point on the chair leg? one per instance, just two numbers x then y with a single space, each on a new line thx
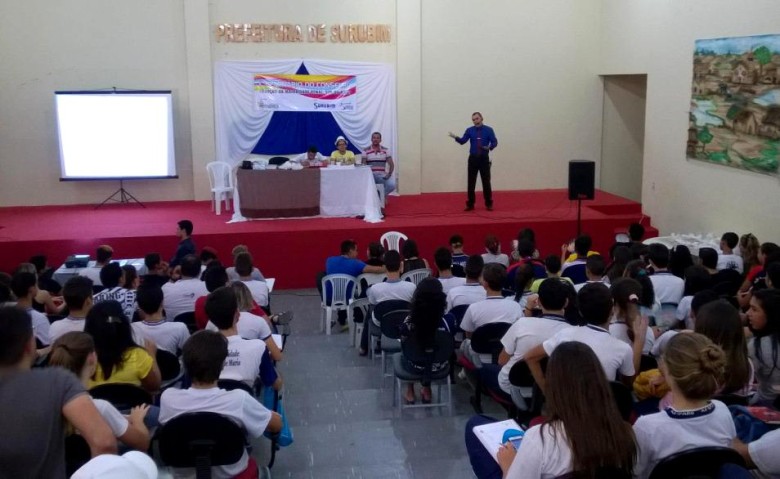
351 323
328 315
219 204
382 373
449 395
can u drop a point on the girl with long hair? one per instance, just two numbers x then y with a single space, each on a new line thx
620 256
763 349
411 256
626 317
720 321
584 432
75 351
250 325
697 278
493 252
426 316
680 259
119 358
693 367
524 278
748 247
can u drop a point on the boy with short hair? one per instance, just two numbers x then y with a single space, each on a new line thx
77 294
727 259
25 287
167 335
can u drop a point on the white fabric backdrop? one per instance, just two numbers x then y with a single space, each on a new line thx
239 126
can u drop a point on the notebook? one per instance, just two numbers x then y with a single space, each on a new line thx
491 435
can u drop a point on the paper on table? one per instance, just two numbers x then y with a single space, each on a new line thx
490 435
278 340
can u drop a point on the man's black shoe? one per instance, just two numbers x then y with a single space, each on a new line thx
468 208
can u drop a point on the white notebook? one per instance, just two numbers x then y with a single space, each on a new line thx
490 435
278 340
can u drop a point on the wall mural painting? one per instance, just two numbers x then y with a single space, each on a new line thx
735 103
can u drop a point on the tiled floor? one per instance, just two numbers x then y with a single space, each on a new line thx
343 422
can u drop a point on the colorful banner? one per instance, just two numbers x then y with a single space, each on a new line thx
305 92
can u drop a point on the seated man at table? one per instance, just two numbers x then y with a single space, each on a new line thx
378 158
341 155
311 156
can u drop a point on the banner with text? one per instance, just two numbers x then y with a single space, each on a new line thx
305 92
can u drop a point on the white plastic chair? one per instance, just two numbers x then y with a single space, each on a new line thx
339 285
356 329
222 184
416 275
392 240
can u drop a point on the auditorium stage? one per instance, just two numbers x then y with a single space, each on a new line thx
294 250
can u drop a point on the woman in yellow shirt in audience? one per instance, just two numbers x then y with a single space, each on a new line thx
341 155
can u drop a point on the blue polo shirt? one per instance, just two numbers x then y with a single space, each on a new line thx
485 133
343 265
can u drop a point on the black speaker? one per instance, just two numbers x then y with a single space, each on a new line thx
582 179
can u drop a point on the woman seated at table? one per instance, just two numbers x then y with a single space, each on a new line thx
341 155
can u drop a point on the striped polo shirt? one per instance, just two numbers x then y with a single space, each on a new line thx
376 159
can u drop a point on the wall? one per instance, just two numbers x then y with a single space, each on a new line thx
83 44
657 37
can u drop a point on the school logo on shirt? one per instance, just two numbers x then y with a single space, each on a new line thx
233 358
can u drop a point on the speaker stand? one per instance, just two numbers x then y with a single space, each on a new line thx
124 197
579 216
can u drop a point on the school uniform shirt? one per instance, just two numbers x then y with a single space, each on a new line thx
684 311
544 454
236 405
767 373
469 293
614 355
619 329
730 261
763 453
233 276
115 420
243 359
136 365
66 325
249 326
668 432
179 297
93 273
668 288
578 287
490 310
448 283
499 258
259 290
41 326
125 297
525 334
390 290
167 335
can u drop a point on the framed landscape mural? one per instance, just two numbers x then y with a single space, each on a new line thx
735 103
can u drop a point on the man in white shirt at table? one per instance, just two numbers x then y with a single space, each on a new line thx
311 156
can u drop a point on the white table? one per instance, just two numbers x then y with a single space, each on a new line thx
349 191
63 274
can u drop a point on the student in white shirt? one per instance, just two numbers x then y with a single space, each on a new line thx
626 316
77 293
493 252
668 287
204 355
472 291
761 453
615 356
564 443
697 278
727 259
442 257
259 289
594 271
693 367
75 351
102 257
231 271
25 287
113 278
167 335
180 297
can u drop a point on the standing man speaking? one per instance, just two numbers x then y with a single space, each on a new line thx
481 140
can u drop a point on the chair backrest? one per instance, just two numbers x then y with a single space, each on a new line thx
520 376
220 174
487 339
416 275
647 362
188 319
600 473
383 307
441 350
122 396
698 462
77 453
623 399
576 273
231 384
200 440
366 280
458 312
337 289
169 364
390 323
392 240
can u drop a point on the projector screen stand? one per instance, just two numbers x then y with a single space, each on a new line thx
121 196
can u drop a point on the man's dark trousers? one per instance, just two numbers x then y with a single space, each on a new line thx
479 164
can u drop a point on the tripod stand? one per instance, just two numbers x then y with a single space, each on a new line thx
124 197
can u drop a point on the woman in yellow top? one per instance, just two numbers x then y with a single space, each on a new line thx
119 358
342 155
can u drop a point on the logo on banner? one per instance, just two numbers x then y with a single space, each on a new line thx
305 92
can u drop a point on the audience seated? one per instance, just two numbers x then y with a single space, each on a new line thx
75 351
493 309
493 252
720 322
119 358
693 367
131 279
594 271
525 234
179 297
525 251
113 279
620 256
156 270
524 277
668 288
167 335
552 267
45 274
530 331
347 263
77 294
214 277
762 453
231 271
204 355
727 258
251 325
680 259
699 300
574 265
627 317
615 356
748 249
411 256
43 301
38 406
103 255
471 291
425 318
697 278
727 281
376 254
649 304
444 261
773 276
584 432
25 287
458 256
756 272
764 348
259 289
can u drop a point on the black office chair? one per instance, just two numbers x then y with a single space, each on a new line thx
378 310
487 339
390 326
520 376
699 462
170 368
77 453
601 473
188 319
231 384
647 362
440 353
458 312
201 440
623 399
123 396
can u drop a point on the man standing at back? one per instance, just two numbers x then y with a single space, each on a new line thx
482 140
186 245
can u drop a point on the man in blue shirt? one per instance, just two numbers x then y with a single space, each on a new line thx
347 263
481 140
186 245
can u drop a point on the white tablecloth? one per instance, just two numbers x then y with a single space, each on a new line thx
349 192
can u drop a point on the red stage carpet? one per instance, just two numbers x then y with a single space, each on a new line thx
294 250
